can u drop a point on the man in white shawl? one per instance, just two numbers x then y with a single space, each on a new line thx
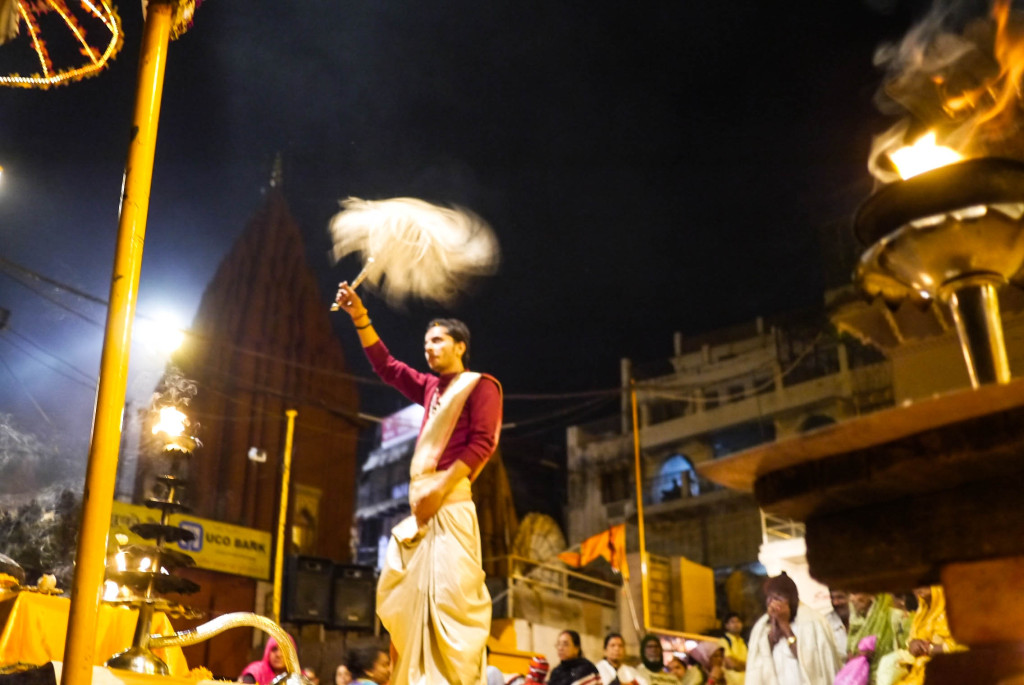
791 644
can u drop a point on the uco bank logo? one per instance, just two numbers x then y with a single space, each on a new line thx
195 545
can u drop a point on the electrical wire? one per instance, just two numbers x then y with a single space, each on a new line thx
658 388
56 370
51 299
17 380
559 413
27 273
660 391
90 379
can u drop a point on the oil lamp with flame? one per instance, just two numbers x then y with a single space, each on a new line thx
948 227
137 575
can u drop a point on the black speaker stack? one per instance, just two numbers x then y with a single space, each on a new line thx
340 596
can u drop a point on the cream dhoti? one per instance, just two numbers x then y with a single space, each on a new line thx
431 595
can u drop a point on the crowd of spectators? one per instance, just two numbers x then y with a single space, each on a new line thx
867 639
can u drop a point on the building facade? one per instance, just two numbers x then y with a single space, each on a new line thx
718 394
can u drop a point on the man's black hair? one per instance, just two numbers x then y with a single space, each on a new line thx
360 660
459 332
609 636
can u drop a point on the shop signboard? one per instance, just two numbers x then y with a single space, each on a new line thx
217 546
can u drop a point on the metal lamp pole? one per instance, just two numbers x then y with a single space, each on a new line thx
101 472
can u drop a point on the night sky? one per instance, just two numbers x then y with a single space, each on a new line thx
648 168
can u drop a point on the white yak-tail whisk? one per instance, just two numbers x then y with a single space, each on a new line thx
414 249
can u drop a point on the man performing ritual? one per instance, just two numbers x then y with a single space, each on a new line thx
431 595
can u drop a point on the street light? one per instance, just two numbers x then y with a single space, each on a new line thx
160 333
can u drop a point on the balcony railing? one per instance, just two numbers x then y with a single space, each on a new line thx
776 528
552 577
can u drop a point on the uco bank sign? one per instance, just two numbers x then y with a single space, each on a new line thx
217 546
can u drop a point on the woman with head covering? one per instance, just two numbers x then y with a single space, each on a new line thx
710 658
929 635
651 671
264 671
791 644
573 669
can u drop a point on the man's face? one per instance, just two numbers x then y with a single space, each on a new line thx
614 651
381 671
840 601
443 354
734 625
778 606
862 602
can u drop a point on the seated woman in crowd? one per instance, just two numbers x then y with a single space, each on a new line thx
735 649
262 672
678 668
574 669
929 635
709 668
651 670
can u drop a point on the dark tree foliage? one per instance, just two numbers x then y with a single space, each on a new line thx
42 539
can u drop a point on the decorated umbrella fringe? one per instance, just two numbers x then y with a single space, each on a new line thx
413 249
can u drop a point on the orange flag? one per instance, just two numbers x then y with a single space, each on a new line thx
610 544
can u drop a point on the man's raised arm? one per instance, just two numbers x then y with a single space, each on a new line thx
350 302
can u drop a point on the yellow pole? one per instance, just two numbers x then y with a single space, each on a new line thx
98 495
282 516
640 507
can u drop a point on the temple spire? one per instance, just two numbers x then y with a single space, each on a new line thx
277 172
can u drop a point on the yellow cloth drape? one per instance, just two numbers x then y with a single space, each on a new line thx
35 626
432 599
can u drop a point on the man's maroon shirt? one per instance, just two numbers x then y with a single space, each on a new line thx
476 432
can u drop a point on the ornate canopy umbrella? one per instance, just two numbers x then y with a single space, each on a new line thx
91 24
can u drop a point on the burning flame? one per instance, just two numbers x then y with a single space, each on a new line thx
997 96
965 88
172 422
924 155
111 590
121 560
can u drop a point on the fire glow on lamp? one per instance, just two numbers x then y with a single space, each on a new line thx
923 155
